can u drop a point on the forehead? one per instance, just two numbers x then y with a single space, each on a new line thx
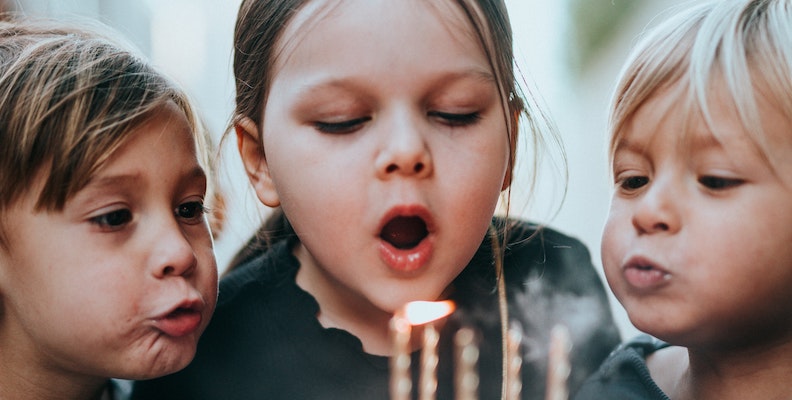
364 26
676 115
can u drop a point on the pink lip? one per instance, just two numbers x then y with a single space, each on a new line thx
181 320
407 260
642 273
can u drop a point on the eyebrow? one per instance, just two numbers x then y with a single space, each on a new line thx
136 178
113 180
477 74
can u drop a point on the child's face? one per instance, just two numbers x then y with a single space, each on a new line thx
386 145
123 281
697 244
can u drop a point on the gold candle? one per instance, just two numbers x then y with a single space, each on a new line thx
414 313
466 354
558 367
428 371
514 363
400 380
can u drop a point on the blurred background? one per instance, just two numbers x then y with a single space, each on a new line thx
568 51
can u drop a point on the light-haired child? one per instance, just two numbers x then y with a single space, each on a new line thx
385 131
107 267
697 245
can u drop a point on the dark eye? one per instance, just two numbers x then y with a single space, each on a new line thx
113 220
633 182
192 212
348 126
719 183
452 119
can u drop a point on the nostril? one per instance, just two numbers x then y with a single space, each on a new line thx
168 271
419 167
391 168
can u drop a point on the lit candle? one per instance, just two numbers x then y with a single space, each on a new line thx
414 313
428 371
514 362
558 367
400 380
466 354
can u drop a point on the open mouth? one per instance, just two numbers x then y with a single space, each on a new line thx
404 232
180 312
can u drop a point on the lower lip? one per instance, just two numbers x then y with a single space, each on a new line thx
406 260
645 278
180 323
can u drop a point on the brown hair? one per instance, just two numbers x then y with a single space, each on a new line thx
68 98
260 25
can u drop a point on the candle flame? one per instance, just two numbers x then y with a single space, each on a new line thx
421 312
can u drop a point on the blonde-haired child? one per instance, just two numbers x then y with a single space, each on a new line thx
697 244
106 260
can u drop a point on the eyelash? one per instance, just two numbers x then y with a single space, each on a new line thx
113 220
196 208
191 212
719 183
341 127
451 119
352 125
715 183
631 183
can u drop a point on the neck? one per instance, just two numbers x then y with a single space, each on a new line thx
744 374
350 312
26 374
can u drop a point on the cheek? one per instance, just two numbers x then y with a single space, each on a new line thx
612 245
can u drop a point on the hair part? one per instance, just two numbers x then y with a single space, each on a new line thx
741 45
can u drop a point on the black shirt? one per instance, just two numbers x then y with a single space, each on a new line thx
264 341
624 374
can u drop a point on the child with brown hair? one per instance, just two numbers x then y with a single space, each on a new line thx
386 132
107 267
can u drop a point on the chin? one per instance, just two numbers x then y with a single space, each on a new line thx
162 364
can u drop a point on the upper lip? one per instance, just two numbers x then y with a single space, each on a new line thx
642 262
194 304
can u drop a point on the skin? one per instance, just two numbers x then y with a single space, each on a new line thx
87 292
696 246
379 109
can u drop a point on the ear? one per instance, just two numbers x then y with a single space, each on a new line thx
252 153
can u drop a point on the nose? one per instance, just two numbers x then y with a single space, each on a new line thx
173 254
405 151
658 209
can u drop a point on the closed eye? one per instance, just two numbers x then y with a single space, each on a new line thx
347 126
452 119
719 183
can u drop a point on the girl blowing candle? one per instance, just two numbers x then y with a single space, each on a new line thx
385 134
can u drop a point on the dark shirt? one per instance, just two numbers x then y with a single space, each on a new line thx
265 342
624 374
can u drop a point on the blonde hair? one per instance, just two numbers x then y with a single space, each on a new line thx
69 97
738 44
